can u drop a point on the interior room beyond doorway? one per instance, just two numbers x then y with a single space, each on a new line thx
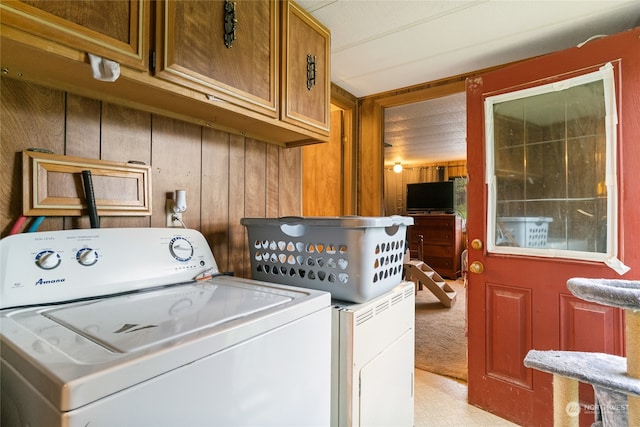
424 141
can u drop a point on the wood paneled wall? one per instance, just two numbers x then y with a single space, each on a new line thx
322 181
227 176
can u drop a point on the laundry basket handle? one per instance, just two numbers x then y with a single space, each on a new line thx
292 226
397 220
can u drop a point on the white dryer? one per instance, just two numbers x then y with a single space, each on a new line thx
137 327
373 360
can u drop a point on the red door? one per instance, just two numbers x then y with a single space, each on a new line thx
547 202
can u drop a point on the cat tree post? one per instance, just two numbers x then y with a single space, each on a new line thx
565 393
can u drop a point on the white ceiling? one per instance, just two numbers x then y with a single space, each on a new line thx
377 46
432 131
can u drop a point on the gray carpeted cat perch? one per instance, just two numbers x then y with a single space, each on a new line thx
615 379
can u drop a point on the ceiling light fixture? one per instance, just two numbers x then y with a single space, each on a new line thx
397 168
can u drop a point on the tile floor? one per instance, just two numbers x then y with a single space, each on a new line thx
441 402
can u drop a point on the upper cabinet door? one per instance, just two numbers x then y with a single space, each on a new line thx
306 79
226 50
116 29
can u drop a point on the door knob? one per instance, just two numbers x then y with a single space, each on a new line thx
476 267
476 244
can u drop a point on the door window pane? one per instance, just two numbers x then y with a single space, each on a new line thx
551 169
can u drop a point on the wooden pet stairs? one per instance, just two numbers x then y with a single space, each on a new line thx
422 275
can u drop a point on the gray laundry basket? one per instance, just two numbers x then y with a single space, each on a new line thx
525 232
355 258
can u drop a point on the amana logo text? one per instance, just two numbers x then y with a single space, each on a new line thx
41 281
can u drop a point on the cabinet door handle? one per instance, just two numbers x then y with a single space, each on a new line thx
311 71
230 22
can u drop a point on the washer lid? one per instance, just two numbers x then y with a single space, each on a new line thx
133 322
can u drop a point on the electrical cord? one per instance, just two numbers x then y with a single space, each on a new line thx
175 217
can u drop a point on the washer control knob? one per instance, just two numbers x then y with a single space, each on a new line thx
48 260
87 256
181 249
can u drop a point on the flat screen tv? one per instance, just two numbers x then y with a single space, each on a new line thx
431 197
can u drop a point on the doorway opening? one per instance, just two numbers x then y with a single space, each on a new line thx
427 139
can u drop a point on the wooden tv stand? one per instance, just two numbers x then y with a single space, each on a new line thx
442 242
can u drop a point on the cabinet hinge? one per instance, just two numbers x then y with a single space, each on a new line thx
152 60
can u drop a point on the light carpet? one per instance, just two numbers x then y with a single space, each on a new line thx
441 342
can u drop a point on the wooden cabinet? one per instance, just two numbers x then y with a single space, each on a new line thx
306 81
256 86
441 243
116 30
238 66
191 51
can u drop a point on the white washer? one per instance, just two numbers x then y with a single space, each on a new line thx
106 327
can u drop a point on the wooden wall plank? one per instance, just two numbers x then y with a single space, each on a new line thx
238 249
125 136
370 159
273 184
82 139
176 156
344 117
31 116
255 198
290 182
83 117
322 184
215 194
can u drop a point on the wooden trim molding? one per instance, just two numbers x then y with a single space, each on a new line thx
52 186
348 103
